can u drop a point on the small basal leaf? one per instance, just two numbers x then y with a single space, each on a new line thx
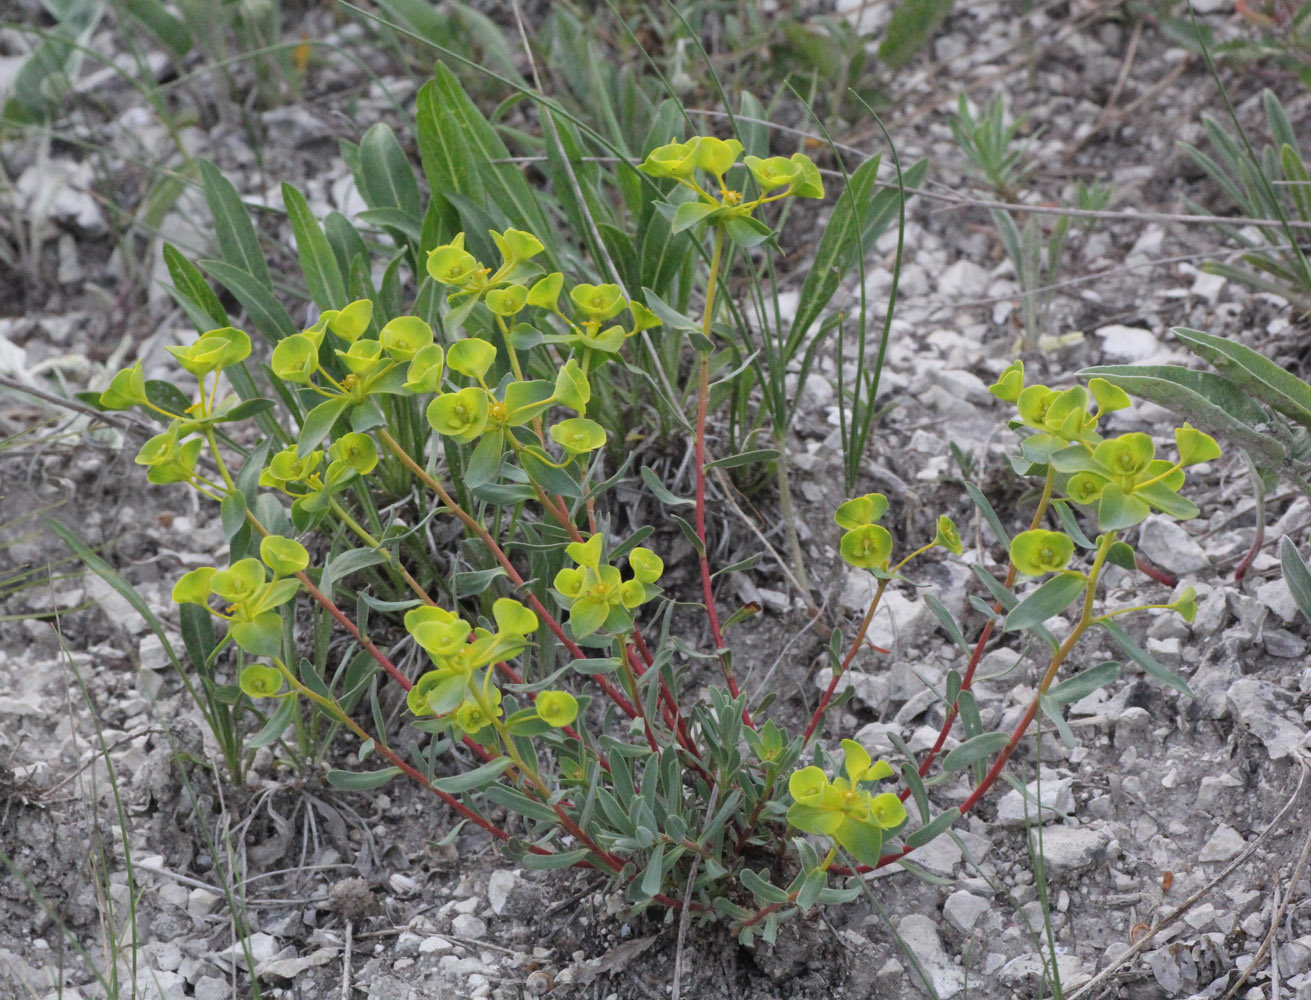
361 781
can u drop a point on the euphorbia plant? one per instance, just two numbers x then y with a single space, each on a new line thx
559 689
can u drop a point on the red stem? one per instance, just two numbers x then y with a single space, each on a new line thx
846 662
707 585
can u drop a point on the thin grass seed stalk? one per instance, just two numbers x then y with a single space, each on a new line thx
557 672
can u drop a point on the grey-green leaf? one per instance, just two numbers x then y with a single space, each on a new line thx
973 750
470 781
1143 658
361 781
237 240
1050 599
317 262
1296 575
1085 682
930 830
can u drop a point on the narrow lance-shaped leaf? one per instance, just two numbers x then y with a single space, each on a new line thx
1144 659
1048 600
237 240
974 750
317 261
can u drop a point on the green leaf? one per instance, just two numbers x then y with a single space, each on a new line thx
265 310
744 458
232 514
689 533
156 19
471 582
1144 659
670 317
1050 599
552 862
760 887
317 262
662 494
1167 501
1296 575
237 240
747 232
947 621
318 423
931 830
1122 554
689 214
1052 709
545 474
274 726
1071 526
1271 384
167 396
485 462
249 408
1209 401
974 750
471 781
1118 510
815 883
989 515
859 217
654 873
192 291
388 178
1084 683
393 218
261 637
361 781
503 795
910 28
343 564
458 147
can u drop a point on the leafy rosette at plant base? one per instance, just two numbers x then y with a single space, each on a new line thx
842 809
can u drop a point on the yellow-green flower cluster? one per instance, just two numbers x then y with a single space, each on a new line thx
372 364
866 544
518 285
1038 551
777 176
171 456
469 413
460 686
308 483
723 204
1121 476
1059 416
596 594
843 809
250 590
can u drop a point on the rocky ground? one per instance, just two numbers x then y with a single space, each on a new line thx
1174 835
